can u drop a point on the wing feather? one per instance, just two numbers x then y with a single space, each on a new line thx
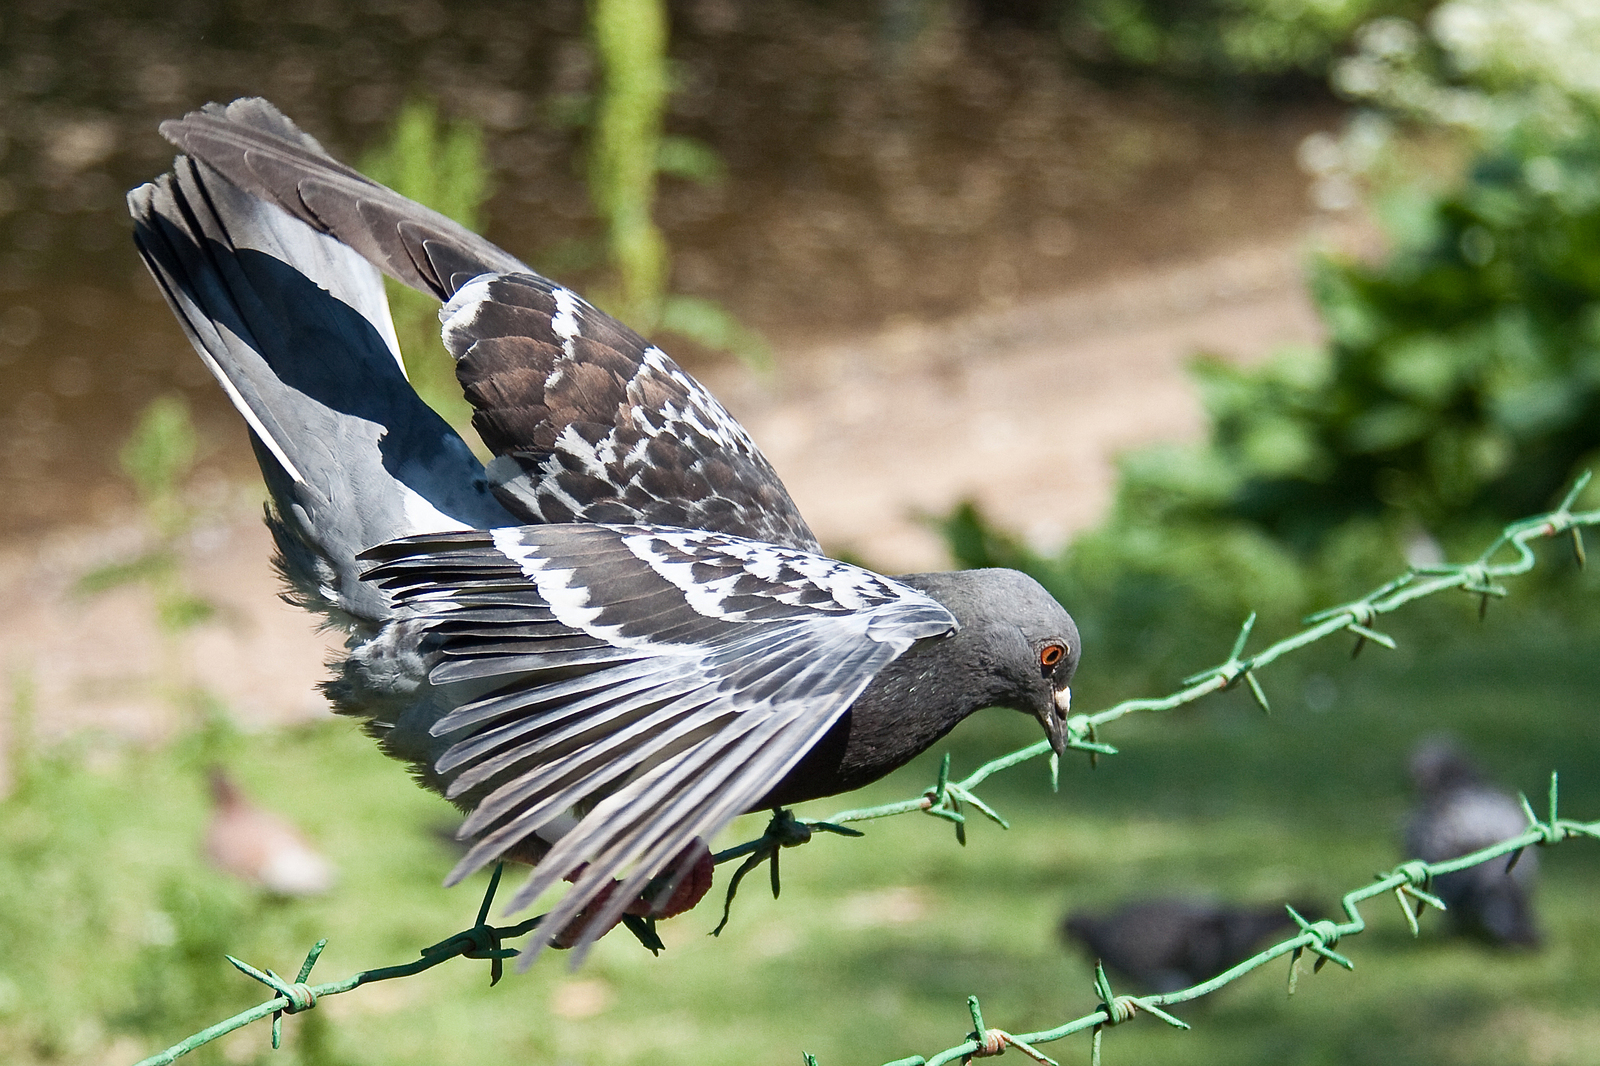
661 681
591 423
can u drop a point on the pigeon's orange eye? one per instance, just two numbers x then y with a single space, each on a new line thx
1050 655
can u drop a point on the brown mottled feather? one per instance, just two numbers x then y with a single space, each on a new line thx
624 403
594 424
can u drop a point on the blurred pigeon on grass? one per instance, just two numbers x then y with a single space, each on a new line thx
260 848
1459 812
620 634
1162 945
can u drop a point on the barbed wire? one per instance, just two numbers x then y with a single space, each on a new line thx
482 941
1409 883
946 799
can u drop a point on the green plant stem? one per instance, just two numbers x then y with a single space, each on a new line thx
631 43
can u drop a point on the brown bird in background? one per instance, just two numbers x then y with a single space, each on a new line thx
261 848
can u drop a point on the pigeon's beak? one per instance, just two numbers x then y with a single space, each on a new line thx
1055 720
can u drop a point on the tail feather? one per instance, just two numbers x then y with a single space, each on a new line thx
257 148
296 328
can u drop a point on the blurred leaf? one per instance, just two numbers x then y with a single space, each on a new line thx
692 159
158 455
147 567
445 167
708 323
182 611
1231 40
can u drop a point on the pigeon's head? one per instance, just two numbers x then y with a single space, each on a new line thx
1439 765
1028 646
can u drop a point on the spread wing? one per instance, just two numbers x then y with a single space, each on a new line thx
252 144
589 421
657 681
592 424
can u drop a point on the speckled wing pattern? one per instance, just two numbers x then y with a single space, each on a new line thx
592 424
657 680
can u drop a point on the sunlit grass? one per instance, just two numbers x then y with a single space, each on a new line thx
113 928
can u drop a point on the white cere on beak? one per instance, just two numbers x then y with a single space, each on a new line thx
1064 700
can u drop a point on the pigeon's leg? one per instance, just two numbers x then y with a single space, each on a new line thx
783 831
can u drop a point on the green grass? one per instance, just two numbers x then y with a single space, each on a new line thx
112 928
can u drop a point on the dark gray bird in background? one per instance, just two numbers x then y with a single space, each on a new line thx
619 635
1458 812
1162 945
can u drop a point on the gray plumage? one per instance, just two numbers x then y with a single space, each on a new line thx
1162 945
348 467
588 422
1458 812
619 636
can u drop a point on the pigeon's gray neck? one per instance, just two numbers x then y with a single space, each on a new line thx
914 700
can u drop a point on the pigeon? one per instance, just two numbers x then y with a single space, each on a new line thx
1162 945
1458 812
260 848
619 634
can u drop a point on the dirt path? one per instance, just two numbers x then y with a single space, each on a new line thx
1022 410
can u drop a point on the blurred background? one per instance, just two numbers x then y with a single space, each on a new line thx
1188 309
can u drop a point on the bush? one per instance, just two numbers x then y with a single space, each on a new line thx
1459 388
1461 382
1233 40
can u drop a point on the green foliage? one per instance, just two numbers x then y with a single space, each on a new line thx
691 159
1459 387
1461 381
114 928
1489 68
194 921
157 458
626 150
1462 377
708 323
1232 39
445 167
